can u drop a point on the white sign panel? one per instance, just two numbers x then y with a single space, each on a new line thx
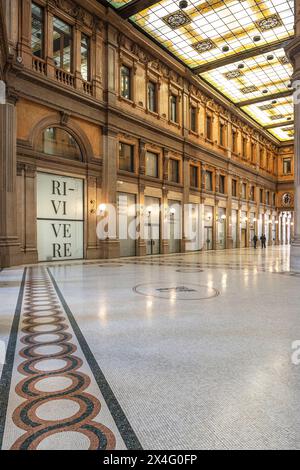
60 217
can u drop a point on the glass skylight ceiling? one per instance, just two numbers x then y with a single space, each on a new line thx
272 112
257 76
216 24
211 30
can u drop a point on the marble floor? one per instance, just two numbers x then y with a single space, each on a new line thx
187 351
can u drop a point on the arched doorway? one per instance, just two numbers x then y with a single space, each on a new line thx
60 200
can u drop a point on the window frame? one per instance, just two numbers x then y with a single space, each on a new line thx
211 179
83 34
43 29
194 168
157 164
193 118
174 101
133 165
177 161
208 127
127 67
234 184
155 110
284 160
61 50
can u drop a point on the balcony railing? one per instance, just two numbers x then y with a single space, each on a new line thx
87 88
64 77
39 65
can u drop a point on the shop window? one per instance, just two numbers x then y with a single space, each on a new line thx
37 30
126 82
85 57
152 164
58 142
152 97
174 170
126 157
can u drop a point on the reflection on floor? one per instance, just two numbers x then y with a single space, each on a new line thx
185 351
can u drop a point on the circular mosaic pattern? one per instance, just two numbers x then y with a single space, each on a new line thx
176 291
56 404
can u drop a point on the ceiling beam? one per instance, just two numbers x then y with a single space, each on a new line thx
260 99
279 124
134 7
240 56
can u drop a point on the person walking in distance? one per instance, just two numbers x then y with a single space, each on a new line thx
263 241
255 240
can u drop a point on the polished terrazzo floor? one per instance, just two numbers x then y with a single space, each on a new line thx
185 351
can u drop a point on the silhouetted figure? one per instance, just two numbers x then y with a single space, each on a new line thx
263 241
255 240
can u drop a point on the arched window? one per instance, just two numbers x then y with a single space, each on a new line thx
59 142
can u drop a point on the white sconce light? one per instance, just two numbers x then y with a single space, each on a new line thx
276 222
102 208
254 220
173 211
246 219
149 210
223 217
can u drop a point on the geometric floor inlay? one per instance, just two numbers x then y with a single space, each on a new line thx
176 291
55 391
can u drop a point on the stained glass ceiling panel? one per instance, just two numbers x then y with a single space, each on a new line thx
118 3
255 77
199 33
271 112
283 133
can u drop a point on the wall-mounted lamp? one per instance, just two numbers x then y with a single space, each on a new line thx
102 208
223 217
149 210
254 220
172 211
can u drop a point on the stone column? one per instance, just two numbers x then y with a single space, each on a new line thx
110 246
185 201
9 241
141 245
293 51
164 221
229 239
